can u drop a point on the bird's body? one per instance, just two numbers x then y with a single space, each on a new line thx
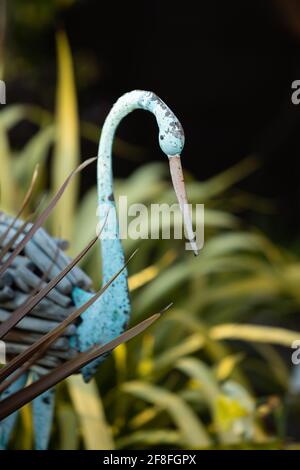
43 259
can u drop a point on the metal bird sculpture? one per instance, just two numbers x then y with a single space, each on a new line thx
43 258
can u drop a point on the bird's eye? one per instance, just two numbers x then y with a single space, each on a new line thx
170 144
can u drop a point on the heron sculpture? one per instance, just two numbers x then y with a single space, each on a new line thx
109 315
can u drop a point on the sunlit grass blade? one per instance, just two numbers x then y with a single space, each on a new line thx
88 405
68 427
27 434
226 366
193 433
151 272
11 115
66 153
168 358
200 372
255 333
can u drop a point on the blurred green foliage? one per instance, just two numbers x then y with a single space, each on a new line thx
209 374
37 14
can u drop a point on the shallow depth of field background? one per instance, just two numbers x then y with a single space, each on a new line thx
216 370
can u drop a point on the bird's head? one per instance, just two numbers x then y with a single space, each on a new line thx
171 141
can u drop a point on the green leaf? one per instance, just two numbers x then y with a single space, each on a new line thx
68 426
11 115
201 373
158 437
35 152
7 182
66 153
87 402
192 431
259 334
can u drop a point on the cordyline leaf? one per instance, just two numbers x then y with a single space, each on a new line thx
50 337
12 240
167 358
6 383
23 206
67 422
11 115
21 311
34 153
44 215
41 350
19 232
46 273
256 333
96 432
26 395
202 375
18 360
193 432
66 151
18 314
29 192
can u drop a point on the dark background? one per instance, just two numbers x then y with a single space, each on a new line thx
225 68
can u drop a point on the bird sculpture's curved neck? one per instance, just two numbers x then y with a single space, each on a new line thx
171 139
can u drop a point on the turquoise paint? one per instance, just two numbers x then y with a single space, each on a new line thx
7 424
43 411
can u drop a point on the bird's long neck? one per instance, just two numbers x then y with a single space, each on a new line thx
111 246
116 297
171 140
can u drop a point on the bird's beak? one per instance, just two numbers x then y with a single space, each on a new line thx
179 187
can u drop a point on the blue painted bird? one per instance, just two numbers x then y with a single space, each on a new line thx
109 315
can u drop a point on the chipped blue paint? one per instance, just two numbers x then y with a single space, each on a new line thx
43 410
109 315
8 423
